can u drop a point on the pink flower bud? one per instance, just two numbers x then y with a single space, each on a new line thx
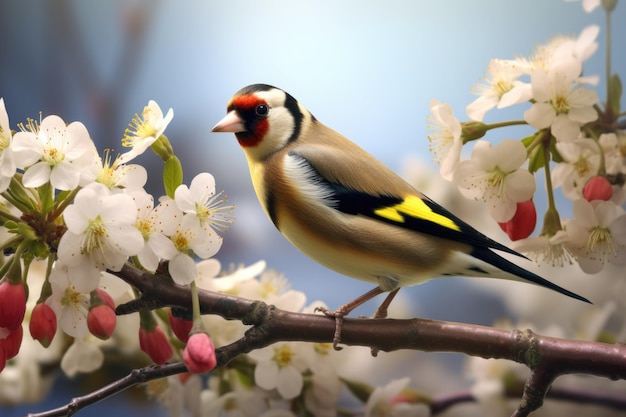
43 324
12 342
523 222
180 327
155 344
597 188
101 321
199 354
12 305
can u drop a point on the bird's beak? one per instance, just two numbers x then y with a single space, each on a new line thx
230 123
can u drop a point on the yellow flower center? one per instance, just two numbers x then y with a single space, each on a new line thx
283 355
140 127
182 240
502 87
52 155
600 241
107 176
497 179
94 236
202 211
323 348
4 140
560 104
70 297
582 167
145 227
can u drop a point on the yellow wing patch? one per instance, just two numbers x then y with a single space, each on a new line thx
415 207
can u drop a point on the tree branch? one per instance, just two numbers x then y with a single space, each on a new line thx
547 357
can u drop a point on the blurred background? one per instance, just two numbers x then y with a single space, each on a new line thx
366 68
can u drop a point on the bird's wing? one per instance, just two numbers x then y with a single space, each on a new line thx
396 202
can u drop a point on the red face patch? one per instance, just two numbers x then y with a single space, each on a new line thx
257 125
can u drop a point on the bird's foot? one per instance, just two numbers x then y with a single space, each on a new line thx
338 315
345 309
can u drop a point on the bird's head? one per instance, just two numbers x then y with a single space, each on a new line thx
263 118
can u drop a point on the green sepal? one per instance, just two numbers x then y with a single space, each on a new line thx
28 232
163 148
554 153
46 193
11 226
528 140
172 175
39 249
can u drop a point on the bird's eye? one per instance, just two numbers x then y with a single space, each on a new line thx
262 110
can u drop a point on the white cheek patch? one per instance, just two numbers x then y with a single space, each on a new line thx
310 185
281 125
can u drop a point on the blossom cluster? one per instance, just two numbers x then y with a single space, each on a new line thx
84 216
577 142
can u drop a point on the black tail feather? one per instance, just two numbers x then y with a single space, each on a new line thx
487 255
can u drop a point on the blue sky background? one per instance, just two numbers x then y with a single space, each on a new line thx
366 68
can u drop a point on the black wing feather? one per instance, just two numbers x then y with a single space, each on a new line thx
355 202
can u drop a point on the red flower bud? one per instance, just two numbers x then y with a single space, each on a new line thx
598 188
523 222
106 298
43 324
12 342
199 354
180 327
3 358
155 344
101 321
12 305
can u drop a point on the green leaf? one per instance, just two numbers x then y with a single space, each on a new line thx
172 175
614 95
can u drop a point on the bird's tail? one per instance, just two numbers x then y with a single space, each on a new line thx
518 273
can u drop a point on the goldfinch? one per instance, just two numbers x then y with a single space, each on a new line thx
346 210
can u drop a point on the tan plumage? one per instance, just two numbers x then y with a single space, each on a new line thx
345 209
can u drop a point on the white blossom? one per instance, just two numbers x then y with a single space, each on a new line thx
7 163
144 130
598 234
382 402
581 161
191 237
200 200
493 175
113 174
502 89
70 300
100 231
550 250
560 102
154 223
280 366
52 152
444 137
81 357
